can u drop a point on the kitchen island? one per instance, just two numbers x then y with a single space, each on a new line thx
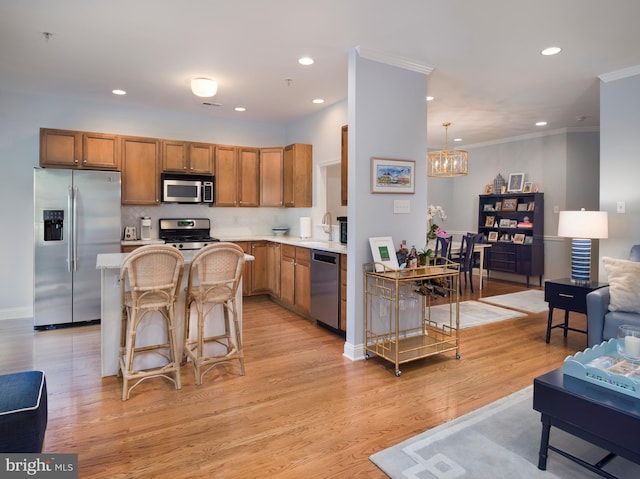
111 316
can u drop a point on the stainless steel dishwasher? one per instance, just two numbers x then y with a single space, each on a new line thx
325 287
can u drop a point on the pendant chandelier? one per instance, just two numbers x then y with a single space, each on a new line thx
447 163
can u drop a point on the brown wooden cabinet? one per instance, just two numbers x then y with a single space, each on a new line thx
295 274
76 149
271 176
188 157
140 176
343 293
246 274
237 170
297 186
344 173
273 268
259 268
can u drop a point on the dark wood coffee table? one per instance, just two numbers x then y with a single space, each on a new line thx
599 415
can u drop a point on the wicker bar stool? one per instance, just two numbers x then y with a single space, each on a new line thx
216 271
149 282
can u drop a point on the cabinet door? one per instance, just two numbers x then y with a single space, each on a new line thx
201 158
303 279
287 274
297 176
344 175
174 156
246 274
249 177
259 273
343 292
100 151
271 176
60 148
140 176
273 269
226 176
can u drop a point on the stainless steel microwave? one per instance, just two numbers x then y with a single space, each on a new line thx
178 188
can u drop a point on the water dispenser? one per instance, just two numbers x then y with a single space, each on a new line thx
53 224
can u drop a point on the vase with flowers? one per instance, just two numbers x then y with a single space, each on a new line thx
435 213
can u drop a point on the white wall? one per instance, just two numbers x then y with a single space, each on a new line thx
619 165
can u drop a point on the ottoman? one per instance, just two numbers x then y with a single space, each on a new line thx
23 412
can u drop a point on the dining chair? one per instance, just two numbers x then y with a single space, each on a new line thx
468 259
443 248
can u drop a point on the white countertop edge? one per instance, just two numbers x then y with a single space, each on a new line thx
115 260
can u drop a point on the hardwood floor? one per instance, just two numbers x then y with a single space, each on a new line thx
302 410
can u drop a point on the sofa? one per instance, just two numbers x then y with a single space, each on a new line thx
618 303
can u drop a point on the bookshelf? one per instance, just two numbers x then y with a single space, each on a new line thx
513 223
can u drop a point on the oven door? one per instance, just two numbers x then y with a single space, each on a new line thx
181 191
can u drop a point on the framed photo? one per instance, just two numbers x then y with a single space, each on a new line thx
513 223
498 206
505 237
488 189
384 253
531 206
528 240
528 187
516 183
487 207
505 222
392 176
518 238
489 221
493 236
509 204
522 207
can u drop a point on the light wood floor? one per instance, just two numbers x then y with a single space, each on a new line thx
301 411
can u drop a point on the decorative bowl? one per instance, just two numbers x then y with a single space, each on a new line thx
280 231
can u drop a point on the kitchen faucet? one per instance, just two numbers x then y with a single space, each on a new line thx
326 223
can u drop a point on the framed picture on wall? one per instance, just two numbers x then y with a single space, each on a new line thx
392 176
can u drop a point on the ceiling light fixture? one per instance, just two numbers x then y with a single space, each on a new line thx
429 98
306 61
541 123
551 51
318 101
204 87
240 108
447 163
118 92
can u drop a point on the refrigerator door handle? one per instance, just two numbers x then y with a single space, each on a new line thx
74 227
70 240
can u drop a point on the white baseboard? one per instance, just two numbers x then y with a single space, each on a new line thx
16 313
353 352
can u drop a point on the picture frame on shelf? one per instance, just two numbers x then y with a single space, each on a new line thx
489 221
528 240
509 204
528 187
504 222
518 238
488 207
516 183
393 176
506 238
513 223
522 206
531 206
488 189
384 253
498 205
493 236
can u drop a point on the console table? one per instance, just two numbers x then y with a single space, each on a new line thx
601 416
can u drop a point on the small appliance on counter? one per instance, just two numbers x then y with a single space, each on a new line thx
343 228
145 228
130 233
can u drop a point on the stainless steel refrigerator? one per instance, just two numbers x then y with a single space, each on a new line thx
76 217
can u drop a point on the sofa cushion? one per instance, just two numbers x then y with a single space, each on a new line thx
624 284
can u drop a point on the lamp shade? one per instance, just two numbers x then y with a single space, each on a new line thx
583 224
204 87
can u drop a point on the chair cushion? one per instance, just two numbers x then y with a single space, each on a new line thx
624 284
23 412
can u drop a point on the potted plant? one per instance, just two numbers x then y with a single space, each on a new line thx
423 255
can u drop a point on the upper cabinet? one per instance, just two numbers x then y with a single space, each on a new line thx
344 163
271 176
297 176
237 172
188 157
140 171
76 149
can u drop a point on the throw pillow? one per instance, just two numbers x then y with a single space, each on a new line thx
624 284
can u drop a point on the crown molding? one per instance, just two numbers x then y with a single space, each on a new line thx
529 136
395 61
619 74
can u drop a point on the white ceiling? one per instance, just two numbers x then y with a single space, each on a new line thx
488 76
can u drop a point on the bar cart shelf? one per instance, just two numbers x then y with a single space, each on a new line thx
391 331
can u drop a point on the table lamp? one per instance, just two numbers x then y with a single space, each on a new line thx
582 226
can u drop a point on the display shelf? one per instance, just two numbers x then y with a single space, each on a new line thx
391 332
514 224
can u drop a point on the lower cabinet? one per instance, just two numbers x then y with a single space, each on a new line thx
295 278
343 293
246 274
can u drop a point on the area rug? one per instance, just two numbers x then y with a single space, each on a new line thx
531 301
472 313
500 440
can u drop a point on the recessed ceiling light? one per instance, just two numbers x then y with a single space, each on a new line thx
429 98
240 108
457 139
118 92
306 61
541 123
318 101
551 51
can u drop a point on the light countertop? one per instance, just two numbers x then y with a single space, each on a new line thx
115 260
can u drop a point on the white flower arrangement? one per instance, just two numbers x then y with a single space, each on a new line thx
434 212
